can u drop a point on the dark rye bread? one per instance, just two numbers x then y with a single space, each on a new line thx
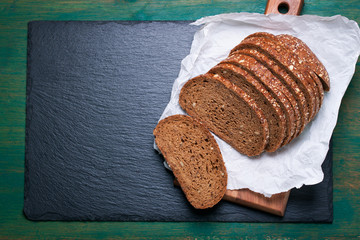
275 87
227 111
272 110
195 159
281 74
284 58
308 56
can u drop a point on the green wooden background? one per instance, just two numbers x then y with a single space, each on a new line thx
14 16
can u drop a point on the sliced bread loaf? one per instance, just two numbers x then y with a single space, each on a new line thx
308 57
289 61
285 79
227 111
275 87
255 89
195 159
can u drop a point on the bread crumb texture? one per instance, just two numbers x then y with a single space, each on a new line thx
195 159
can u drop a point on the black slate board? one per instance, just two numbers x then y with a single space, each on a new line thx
95 91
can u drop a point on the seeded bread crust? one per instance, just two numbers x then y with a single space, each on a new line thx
227 111
308 56
275 87
195 159
280 73
320 88
304 93
270 107
308 61
301 70
289 62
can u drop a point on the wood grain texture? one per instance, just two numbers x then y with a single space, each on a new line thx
291 7
14 16
276 204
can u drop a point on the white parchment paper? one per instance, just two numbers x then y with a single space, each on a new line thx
335 41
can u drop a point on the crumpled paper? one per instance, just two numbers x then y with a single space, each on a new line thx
335 41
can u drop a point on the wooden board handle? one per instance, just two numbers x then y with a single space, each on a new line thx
276 204
289 7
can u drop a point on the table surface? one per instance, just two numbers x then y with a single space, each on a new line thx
14 16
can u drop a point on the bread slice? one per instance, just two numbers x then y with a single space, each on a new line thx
308 56
275 87
195 159
227 111
271 108
270 46
285 79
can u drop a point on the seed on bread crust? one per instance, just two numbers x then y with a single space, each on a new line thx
286 59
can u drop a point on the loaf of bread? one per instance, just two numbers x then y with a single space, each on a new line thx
261 96
195 159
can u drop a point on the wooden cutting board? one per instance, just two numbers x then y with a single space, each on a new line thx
276 204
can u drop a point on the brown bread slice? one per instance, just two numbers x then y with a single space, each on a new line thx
271 108
308 56
275 87
195 159
269 45
285 79
227 111
319 86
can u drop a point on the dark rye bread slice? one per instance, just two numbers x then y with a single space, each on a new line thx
271 108
275 87
320 88
308 56
195 159
281 74
227 111
268 45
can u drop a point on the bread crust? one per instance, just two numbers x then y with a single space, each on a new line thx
308 56
280 92
268 44
308 61
281 74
